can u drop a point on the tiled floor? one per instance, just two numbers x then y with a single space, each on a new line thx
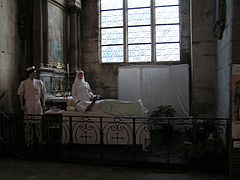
11 169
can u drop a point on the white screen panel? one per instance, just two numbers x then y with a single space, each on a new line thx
129 84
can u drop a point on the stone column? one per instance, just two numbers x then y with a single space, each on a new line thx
25 33
73 40
79 40
45 32
37 34
203 59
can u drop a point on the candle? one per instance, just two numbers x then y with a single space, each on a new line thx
67 68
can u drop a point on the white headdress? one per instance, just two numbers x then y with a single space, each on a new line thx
78 81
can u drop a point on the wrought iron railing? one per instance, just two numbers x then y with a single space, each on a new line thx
160 140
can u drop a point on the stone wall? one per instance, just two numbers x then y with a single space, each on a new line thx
9 55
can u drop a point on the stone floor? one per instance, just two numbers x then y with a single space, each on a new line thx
12 168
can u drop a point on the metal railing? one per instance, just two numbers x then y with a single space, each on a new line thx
127 139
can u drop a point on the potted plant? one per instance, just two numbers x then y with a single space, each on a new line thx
161 130
163 111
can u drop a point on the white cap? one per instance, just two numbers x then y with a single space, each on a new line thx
30 68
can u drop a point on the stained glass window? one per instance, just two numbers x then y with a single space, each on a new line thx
168 33
139 31
139 16
139 53
168 52
165 15
140 34
166 2
112 36
112 18
112 54
116 4
138 3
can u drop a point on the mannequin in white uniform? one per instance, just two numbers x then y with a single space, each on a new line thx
81 90
32 94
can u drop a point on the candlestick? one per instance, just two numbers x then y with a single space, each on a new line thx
67 68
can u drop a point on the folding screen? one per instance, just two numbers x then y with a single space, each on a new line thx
156 85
